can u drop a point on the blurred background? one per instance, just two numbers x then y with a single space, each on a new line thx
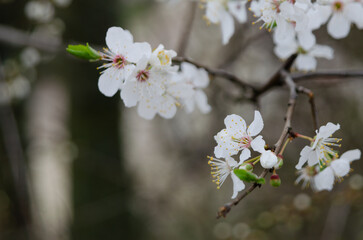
75 164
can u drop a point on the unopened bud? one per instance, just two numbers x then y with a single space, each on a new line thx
280 162
275 180
247 167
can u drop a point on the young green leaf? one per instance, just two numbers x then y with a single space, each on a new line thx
84 52
248 176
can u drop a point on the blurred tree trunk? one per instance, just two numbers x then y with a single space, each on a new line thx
101 189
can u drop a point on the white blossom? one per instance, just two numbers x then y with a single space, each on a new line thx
122 54
306 175
320 151
337 169
144 83
198 80
236 136
161 57
220 169
305 60
342 14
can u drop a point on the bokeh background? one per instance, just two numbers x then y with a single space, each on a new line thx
75 164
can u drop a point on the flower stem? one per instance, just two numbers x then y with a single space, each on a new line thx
253 159
304 137
283 147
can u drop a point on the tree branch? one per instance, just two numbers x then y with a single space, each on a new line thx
310 94
275 80
216 72
327 75
223 211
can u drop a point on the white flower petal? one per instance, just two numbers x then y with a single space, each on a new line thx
137 51
318 15
354 12
213 12
110 81
238 185
202 101
322 51
235 124
227 27
268 159
305 62
118 39
201 79
127 71
284 32
146 110
351 155
231 162
324 180
341 167
129 94
238 10
246 153
284 51
256 126
166 106
258 144
338 26
304 155
313 158
306 39
327 130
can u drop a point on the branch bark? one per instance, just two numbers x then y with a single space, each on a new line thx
216 72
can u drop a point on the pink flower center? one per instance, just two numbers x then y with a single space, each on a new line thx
119 61
337 6
142 75
245 142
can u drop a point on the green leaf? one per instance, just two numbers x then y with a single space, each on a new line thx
248 176
84 52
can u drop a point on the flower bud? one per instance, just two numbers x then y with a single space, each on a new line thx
275 180
280 162
247 167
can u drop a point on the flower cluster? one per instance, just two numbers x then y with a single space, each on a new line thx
324 164
147 78
292 23
235 138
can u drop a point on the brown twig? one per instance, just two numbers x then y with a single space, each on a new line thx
216 72
310 94
275 80
327 75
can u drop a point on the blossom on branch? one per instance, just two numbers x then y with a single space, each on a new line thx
320 150
220 169
305 60
197 79
121 56
337 169
236 136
